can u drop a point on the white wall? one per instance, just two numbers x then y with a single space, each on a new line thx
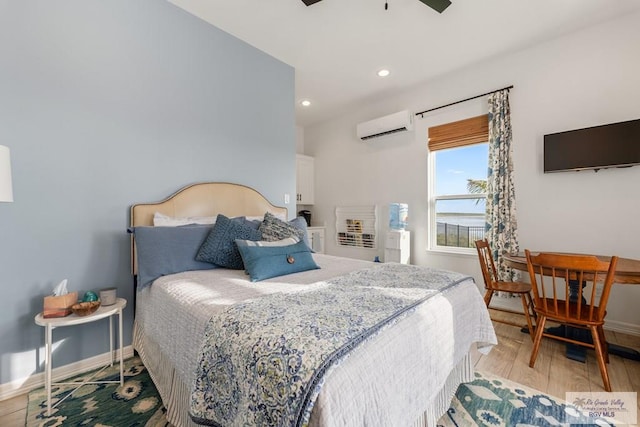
585 79
299 140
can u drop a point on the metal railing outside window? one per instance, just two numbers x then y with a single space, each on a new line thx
460 236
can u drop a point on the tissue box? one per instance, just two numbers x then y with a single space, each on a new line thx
59 306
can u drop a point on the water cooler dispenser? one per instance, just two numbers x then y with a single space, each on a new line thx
397 247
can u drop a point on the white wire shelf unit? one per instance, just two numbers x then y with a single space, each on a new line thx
356 226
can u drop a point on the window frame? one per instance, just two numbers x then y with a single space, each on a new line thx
433 199
464 133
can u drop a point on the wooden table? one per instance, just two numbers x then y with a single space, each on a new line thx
627 273
627 270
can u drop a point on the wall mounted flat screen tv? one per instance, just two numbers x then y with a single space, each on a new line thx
599 147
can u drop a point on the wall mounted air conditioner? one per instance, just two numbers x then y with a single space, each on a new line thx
396 122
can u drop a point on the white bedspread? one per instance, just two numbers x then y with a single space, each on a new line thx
388 380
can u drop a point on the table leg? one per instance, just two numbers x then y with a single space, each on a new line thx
624 352
47 366
575 352
578 353
572 351
120 338
111 340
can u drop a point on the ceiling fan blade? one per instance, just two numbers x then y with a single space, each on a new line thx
437 5
310 2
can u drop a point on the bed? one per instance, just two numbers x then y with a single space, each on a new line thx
191 326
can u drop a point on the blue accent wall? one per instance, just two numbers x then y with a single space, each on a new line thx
109 103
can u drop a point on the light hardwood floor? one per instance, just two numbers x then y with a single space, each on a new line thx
553 374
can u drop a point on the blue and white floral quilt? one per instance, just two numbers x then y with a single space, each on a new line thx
264 361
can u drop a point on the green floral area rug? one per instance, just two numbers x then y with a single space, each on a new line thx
487 401
492 401
136 403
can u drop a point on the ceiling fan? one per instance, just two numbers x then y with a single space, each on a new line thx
437 5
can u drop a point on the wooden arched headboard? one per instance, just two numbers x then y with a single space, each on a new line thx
203 199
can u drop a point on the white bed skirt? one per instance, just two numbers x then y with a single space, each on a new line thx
176 394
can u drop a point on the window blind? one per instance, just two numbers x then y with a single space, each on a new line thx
458 134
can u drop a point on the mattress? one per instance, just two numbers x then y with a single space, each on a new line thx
404 375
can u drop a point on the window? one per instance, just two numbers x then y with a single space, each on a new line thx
458 157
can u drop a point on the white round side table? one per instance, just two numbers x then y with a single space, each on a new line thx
55 322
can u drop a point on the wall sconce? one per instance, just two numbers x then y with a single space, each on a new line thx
6 189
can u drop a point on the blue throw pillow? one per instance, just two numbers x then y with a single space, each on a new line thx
168 250
220 248
265 262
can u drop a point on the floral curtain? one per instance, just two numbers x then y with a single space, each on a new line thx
501 226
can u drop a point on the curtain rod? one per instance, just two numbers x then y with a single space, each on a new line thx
421 113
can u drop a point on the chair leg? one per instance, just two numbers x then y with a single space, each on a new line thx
605 344
487 297
525 306
532 309
595 335
536 342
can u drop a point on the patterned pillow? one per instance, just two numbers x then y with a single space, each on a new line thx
273 229
220 248
264 262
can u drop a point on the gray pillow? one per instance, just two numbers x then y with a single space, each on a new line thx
220 247
301 224
273 228
168 250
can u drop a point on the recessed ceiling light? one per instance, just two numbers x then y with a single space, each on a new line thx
383 73
305 102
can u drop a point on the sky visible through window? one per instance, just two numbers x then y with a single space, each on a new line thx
453 168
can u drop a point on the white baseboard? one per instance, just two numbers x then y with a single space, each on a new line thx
626 328
19 387
515 304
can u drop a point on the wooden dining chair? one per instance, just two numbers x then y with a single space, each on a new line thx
493 284
570 297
